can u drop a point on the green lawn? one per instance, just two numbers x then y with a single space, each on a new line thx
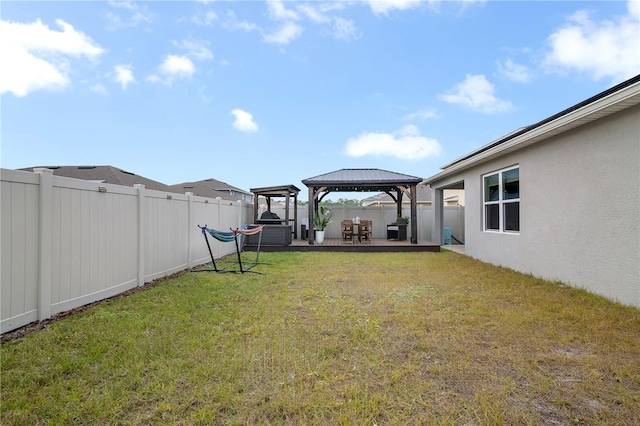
334 338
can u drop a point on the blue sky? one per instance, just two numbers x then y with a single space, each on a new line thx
262 93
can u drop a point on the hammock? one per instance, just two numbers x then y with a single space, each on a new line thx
227 237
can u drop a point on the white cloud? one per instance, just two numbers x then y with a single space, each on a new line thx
314 14
123 75
514 72
207 19
279 12
173 66
139 14
244 121
197 49
178 66
344 29
476 93
122 4
284 35
337 27
35 57
423 114
233 23
606 49
383 7
99 88
406 144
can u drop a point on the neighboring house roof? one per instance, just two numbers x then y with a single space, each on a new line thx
104 174
209 188
424 197
361 180
219 186
617 98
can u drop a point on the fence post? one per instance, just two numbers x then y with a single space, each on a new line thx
189 225
45 241
141 232
218 216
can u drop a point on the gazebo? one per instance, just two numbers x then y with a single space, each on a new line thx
284 191
395 184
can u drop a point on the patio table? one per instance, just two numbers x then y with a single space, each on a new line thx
356 229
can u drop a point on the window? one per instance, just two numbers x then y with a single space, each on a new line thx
502 200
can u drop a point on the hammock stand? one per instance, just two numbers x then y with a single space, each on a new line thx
226 237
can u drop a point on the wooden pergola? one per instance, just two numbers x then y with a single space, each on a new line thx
283 191
396 185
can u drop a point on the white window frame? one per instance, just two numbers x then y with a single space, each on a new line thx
500 202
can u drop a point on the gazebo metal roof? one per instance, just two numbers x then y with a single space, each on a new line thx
361 180
276 191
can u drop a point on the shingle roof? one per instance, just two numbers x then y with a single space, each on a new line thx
210 188
215 184
106 174
424 195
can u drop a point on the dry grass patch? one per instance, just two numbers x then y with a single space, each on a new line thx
335 338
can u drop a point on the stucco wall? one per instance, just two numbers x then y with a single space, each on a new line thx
579 209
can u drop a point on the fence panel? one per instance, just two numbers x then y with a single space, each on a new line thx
165 229
454 219
19 234
203 213
94 242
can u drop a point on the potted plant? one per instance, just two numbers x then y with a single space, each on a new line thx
321 219
402 220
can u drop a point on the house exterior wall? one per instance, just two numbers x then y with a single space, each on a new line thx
579 209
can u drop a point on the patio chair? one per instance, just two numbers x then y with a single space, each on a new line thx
365 230
347 230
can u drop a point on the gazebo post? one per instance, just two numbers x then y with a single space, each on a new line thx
255 207
414 214
286 210
295 216
312 202
398 202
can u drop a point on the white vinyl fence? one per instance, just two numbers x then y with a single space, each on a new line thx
69 242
